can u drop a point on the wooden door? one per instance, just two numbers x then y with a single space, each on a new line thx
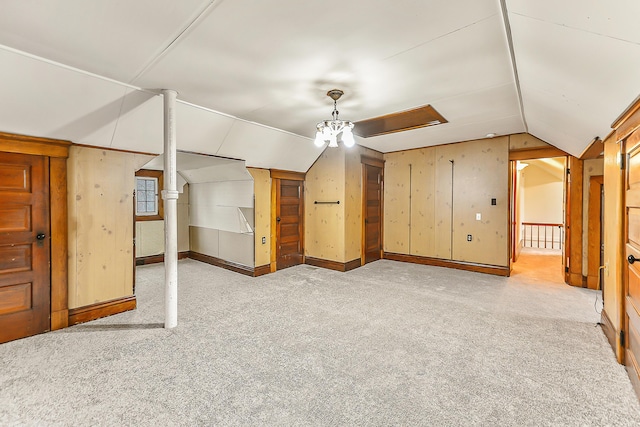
289 231
631 331
372 212
24 246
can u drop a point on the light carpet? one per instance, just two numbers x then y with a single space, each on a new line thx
389 343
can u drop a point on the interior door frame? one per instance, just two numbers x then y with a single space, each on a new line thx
594 239
533 154
276 176
371 161
56 153
630 142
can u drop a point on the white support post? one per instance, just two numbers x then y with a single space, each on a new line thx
170 197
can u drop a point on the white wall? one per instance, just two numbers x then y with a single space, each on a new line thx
222 220
543 196
222 205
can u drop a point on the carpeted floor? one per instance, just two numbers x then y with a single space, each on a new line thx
387 344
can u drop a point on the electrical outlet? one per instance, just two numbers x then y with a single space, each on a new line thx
264 240
469 237
478 217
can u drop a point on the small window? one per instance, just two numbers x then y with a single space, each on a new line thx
148 200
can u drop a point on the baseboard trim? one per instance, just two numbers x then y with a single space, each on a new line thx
155 259
262 270
608 330
333 265
460 265
353 264
101 309
228 265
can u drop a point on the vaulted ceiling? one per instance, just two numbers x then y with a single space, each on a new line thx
252 76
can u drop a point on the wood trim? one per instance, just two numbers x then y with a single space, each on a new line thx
275 183
620 250
227 265
460 265
101 309
160 177
608 329
59 242
594 239
24 144
595 150
372 161
120 150
282 174
629 114
333 265
151 259
155 259
574 223
536 153
262 270
363 211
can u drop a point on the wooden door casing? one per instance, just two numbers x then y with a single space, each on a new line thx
289 221
631 324
25 291
594 234
372 212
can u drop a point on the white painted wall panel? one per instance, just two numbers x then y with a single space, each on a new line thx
204 241
216 204
236 248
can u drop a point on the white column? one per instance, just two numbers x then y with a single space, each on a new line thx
170 197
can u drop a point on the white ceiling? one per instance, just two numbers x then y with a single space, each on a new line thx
252 76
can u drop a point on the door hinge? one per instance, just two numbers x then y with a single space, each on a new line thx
622 161
568 171
566 269
622 339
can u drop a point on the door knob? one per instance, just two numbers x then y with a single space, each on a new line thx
278 218
631 259
40 236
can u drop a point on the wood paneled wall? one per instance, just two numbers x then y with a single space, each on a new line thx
333 232
100 207
325 223
431 202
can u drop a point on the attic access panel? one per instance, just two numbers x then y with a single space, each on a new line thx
398 122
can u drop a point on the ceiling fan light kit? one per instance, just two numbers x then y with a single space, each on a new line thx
327 131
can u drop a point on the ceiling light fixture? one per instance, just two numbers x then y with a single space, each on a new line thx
328 130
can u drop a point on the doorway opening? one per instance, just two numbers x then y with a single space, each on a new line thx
215 212
538 219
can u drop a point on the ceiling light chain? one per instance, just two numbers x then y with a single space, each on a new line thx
328 130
